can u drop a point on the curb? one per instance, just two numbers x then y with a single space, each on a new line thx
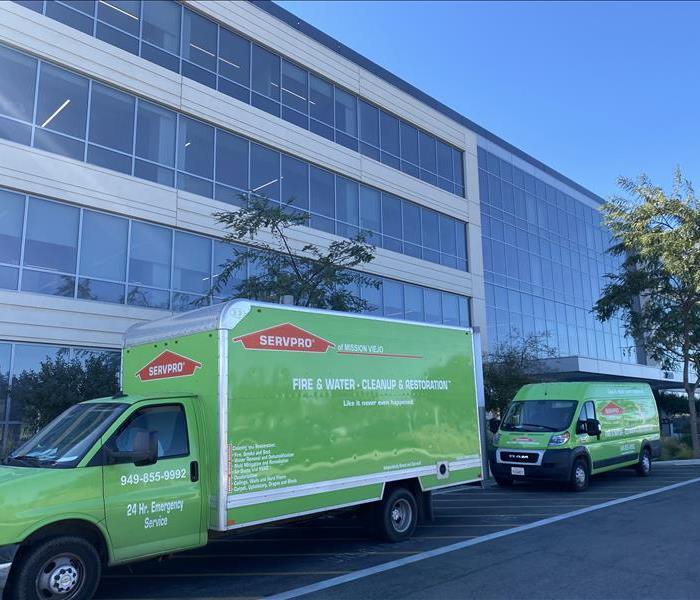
686 462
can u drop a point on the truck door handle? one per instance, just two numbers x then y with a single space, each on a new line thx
194 471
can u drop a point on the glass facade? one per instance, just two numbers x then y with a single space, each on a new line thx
177 38
14 360
49 247
545 260
62 112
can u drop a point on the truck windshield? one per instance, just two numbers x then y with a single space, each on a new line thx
539 415
64 441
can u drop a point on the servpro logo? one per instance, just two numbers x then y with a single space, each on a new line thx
285 338
611 409
166 365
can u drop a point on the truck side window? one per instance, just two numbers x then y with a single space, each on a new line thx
168 420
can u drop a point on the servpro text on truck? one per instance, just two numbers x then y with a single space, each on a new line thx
236 415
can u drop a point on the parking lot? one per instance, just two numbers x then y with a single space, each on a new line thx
285 559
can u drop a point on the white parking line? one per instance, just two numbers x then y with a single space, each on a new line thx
401 562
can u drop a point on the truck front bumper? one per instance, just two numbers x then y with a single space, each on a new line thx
554 465
7 555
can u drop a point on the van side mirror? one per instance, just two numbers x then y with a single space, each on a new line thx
145 449
494 424
593 427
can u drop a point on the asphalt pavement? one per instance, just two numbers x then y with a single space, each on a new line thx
639 547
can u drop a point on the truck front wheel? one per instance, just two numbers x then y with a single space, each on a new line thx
394 519
65 568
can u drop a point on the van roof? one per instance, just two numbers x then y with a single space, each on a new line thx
227 315
133 398
580 390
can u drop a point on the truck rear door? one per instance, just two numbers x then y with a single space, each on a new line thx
155 508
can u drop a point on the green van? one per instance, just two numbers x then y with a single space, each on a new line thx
570 431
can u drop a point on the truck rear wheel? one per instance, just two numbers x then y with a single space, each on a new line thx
644 465
394 519
65 568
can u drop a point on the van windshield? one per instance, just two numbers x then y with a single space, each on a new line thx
539 415
64 441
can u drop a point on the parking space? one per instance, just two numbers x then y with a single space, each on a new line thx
290 556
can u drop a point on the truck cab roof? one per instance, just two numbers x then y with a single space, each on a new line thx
582 390
121 398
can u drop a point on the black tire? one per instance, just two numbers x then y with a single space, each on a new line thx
68 563
643 468
580 475
504 481
394 519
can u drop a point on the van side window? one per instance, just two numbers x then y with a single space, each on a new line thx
168 420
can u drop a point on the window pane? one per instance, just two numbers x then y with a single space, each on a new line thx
450 309
345 112
17 81
223 253
62 102
391 215
347 201
149 257
444 158
123 14
447 235
199 40
369 123
393 299
413 297
458 166
161 24
103 246
234 57
231 160
322 192
155 134
11 221
464 317
9 277
265 172
143 296
191 271
390 134
411 223
195 147
427 152
168 421
370 211
266 73
102 291
112 118
433 306
70 17
431 233
295 182
321 100
43 282
461 239
52 236
294 87
373 296
409 143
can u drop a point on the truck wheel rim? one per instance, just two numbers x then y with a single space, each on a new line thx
580 475
646 462
60 577
401 515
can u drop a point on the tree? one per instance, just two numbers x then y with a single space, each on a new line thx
61 382
657 290
513 364
316 277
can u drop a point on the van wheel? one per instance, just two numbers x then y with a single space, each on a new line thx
394 519
65 568
579 475
504 481
644 466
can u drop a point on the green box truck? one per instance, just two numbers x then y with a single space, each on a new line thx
236 415
570 431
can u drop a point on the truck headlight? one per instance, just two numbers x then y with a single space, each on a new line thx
559 439
496 438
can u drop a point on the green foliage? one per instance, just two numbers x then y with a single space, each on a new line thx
658 236
674 449
316 277
62 382
513 364
673 403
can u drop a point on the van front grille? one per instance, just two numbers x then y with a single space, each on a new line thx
519 457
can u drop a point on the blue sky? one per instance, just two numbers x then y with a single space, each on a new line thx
593 89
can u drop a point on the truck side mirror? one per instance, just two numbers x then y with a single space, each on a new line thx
145 449
494 424
593 427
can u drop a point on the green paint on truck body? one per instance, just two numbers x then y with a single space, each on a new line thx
279 412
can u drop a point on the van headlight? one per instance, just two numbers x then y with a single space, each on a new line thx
559 439
496 438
